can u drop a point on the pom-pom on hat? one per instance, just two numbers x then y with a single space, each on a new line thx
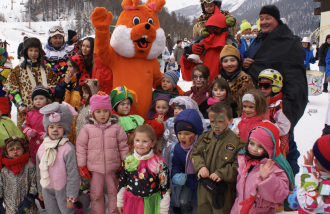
172 76
321 150
121 93
230 50
40 90
245 25
100 101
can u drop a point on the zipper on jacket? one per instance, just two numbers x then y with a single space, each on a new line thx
103 151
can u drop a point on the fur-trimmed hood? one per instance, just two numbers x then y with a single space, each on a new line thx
112 120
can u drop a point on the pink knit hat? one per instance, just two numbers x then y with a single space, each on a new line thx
100 101
263 137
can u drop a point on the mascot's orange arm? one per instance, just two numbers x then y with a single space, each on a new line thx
157 74
103 50
180 91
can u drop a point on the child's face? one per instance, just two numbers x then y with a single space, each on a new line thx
177 110
33 53
172 59
85 95
15 151
249 109
142 143
102 115
255 148
320 167
167 85
39 101
186 138
209 7
71 69
219 122
255 32
199 80
55 131
230 64
124 107
266 91
219 93
162 107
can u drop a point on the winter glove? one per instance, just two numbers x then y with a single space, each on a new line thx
25 205
197 48
230 21
292 200
179 178
31 133
2 209
84 172
204 33
247 204
314 59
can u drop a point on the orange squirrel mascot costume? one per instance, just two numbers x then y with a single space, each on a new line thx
134 47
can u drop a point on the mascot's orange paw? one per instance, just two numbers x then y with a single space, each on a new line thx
101 19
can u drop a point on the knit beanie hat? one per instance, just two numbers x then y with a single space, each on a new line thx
60 114
71 33
3 56
172 57
121 93
40 90
172 76
180 40
152 111
185 126
100 101
273 12
245 25
254 27
230 50
321 150
262 136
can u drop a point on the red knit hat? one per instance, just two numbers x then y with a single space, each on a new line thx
321 150
264 139
100 101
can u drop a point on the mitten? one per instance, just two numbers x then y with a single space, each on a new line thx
84 172
101 19
230 21
205 33
179 178
197 48
2 209
25 205
292 200
31 133
247 204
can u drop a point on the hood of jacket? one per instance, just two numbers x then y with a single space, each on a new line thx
191 116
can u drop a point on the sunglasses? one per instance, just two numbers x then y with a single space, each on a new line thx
215 30
265 85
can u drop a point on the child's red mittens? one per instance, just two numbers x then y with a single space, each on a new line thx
248 204
84 172
101 19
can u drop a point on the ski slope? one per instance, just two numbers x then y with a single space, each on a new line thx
306 132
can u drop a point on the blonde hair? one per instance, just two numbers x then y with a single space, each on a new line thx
261 104
149 131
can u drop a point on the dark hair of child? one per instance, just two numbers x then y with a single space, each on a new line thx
203 69
85 87
74 65
221 107
222 83
147 129
261 105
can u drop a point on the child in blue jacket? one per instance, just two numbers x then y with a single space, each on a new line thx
188 126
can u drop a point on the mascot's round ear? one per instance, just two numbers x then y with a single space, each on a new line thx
155 5
130 4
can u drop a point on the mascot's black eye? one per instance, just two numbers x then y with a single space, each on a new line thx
151 21
136 20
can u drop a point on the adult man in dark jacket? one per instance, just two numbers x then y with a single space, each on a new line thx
323 53
21 47
276 47
169 43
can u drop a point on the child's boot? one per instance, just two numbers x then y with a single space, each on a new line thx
78 207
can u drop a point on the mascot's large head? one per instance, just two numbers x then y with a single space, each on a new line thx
138 33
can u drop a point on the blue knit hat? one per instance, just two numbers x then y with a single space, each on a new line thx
321 150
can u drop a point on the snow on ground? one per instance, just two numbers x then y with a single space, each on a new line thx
306 132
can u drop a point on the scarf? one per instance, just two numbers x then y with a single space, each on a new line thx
274 98
199 95
34 79
189 164
48 158
224 75
211 101
148 163
15 165
249 163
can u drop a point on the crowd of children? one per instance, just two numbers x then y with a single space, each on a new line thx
220 147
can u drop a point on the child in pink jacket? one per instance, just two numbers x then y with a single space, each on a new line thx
101 146
33 127
264 176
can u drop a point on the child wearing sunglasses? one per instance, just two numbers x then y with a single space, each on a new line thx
270 84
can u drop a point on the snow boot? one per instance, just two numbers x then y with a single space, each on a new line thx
325 87
78 207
